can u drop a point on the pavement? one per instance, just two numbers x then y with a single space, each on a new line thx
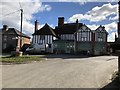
61 72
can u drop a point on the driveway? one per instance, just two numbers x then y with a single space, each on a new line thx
59 72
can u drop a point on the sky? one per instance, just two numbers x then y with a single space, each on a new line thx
91 13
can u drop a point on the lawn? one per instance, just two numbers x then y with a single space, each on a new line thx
22 59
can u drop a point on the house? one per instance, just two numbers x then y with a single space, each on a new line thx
100 46
43 38
71 38
77 38
11 39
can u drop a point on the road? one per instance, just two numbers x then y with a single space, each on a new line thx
93 72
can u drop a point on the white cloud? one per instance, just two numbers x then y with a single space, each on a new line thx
111 37
93 27
29 6
114 18
111 27
96 14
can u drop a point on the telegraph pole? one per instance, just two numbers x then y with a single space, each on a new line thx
21 28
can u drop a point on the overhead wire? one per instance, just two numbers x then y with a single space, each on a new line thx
10 13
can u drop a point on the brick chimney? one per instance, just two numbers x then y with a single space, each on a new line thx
36 25
60 21
77 21
5 27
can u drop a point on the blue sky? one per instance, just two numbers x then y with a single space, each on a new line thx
67 9
92 14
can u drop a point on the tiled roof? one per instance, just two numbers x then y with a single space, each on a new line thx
69 28
45 30
19 33
15 31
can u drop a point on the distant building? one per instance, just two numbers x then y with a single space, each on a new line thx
72 38
11 39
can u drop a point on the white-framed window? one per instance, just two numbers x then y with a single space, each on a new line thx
100 36
84 36
100 39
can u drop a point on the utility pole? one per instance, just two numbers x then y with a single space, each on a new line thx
21 28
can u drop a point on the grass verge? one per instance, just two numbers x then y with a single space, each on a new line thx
20 60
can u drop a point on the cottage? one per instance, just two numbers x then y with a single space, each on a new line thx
100 45
11 39
43 38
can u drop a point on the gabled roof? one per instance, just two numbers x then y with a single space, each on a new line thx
84 29
14 31
102 29
69 28
45 30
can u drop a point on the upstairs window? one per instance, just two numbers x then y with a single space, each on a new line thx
100 36
84 36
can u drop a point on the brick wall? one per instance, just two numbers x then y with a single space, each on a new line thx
24 41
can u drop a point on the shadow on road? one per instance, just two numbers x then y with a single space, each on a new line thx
64 56
111 86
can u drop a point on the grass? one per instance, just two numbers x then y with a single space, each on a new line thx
22 59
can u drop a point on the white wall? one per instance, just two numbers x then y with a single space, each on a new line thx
42 39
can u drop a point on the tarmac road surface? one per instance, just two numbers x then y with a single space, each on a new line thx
92 72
